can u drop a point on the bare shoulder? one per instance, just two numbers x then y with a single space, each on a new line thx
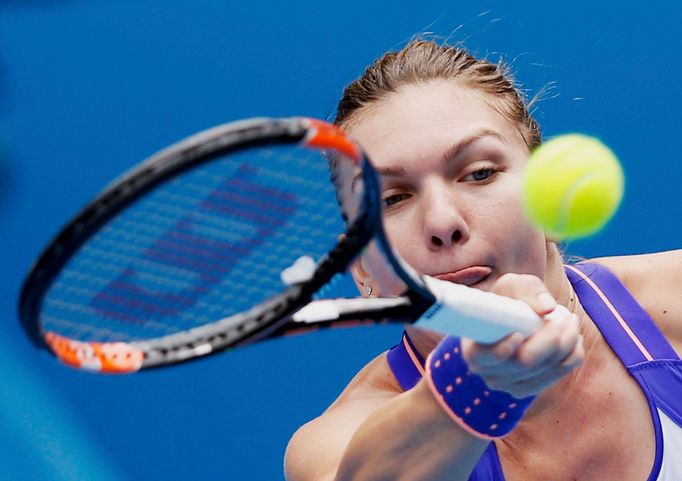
315 450
375 379
645 266
654 280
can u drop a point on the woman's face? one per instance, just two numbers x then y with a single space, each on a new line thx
451 170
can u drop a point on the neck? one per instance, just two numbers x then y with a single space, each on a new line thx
562 290
556 280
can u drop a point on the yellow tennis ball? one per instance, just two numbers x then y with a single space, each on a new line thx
573 185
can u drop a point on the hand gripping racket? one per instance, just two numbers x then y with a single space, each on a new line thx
229 237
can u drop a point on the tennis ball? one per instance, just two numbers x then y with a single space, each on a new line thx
573 185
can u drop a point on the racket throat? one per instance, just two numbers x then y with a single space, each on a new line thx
358 308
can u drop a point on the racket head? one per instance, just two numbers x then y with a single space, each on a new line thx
118 288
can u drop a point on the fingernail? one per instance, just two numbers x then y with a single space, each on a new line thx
558 313
546 301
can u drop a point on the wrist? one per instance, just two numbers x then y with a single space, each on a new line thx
482 411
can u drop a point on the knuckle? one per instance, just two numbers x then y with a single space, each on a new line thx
533 281
513 284
528 360
506 348
554 343
504 352
552 336
505 283
567 333
571 322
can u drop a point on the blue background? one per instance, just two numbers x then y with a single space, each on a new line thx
89 88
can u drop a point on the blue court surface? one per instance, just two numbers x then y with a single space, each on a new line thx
89 88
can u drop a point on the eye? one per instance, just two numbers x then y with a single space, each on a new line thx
393 199
481 175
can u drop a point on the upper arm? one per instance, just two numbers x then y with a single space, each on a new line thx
377 431
315 451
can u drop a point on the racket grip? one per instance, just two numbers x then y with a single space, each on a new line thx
479 315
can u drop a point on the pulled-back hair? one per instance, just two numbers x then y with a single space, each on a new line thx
423 61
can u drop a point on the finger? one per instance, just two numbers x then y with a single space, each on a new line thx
522 381
482 356
540 380
527 288
568 340
576 357
551 344
543 351
538 383
547 378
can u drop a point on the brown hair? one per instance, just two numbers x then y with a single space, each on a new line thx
423 61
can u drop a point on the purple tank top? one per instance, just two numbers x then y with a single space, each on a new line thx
628 330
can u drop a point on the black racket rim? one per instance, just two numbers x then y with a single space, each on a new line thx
180 157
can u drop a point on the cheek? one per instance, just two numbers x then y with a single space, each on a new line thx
521 246
384 280
404 232
526 245
531 254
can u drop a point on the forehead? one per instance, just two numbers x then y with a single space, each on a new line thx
425 120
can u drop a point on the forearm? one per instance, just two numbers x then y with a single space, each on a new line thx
410 438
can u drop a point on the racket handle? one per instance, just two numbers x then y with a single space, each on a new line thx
479 315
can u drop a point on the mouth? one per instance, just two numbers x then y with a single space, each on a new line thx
470 276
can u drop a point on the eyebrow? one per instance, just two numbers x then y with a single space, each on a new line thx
450 154
457 149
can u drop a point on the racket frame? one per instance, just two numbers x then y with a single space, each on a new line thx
201 148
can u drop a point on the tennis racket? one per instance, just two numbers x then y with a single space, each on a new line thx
229 237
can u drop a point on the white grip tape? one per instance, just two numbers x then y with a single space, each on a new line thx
482 316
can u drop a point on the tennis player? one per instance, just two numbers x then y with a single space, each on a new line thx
595 394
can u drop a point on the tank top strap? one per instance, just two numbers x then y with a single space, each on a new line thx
626 326
406 363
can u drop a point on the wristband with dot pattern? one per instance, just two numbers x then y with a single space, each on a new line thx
484 412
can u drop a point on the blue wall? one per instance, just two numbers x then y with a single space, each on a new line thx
88 88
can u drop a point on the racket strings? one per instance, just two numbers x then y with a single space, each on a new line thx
204 246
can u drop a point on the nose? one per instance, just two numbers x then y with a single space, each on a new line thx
444 222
